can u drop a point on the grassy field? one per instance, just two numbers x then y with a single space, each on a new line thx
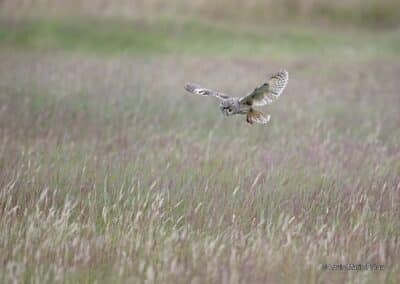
110 172
361 13
194 37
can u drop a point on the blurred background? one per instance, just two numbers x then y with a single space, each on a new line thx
383 13
201 26
110 172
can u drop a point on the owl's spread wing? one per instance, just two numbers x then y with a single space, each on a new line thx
197 90
269 91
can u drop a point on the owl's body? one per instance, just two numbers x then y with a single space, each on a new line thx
262 95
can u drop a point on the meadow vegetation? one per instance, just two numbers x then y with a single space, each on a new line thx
370 13
110 172
192 37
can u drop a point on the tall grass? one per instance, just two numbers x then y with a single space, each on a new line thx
109 172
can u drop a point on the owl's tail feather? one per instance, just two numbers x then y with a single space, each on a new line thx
255 116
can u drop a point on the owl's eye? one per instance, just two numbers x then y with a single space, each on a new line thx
229 110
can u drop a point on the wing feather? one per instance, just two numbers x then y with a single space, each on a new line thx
198 90
269 91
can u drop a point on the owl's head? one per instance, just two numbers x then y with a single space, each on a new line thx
229 106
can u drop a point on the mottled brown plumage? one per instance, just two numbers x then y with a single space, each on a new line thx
262 95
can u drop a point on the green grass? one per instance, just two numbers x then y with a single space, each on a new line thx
192 37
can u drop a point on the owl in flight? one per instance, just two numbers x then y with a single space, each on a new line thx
262 95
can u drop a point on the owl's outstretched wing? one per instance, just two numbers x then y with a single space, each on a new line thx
269 91
255 116
197 90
